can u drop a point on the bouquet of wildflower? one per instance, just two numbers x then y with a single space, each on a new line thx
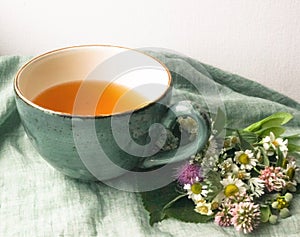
249 180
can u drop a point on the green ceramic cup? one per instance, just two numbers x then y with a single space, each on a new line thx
103 147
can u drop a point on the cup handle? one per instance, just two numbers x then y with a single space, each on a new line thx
185 109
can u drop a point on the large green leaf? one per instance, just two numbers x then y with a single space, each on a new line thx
250 137
294 143
155 201
275 120
277 131
244 143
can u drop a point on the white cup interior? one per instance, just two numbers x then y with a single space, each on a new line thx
130 68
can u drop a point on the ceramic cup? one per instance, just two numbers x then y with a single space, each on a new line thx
104 146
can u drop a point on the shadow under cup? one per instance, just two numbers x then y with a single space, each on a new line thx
92 147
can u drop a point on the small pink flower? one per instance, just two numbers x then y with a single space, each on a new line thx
223 217
237 208
189 173
273 178
240 197
245 216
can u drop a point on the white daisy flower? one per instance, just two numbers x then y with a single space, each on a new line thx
257 186
241 174
196 191
292 171
231 187
228 167
204 208
270 144
246 159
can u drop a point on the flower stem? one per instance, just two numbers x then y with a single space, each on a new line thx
174 200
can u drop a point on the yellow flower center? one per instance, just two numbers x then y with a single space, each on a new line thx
291 173
282 203
203 209
214 205
227 167
284 163
234 140
240 175
275 143
244 159
230 190
196 188
226 143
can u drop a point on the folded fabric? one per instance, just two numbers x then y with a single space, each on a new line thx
36 200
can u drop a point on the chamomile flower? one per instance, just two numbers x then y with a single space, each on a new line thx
196 191
228 167
243 175
246 159
291 169
271 144
231 187
204 208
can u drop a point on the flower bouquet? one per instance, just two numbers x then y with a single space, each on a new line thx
250 179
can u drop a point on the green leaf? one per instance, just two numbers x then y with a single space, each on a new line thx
294 143
213 178
295 136
293 148
266 160
183 210
155 201
245 145
265 213
276 120
266 131
249 137
280 158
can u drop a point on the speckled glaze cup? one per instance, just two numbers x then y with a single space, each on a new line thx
88 147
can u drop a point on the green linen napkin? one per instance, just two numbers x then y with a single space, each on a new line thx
36 200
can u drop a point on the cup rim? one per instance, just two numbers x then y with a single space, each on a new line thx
62 114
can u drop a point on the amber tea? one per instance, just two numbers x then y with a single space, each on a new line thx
90 98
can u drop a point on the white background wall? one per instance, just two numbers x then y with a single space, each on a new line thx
258 39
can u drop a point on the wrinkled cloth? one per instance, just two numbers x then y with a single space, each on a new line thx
37 200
